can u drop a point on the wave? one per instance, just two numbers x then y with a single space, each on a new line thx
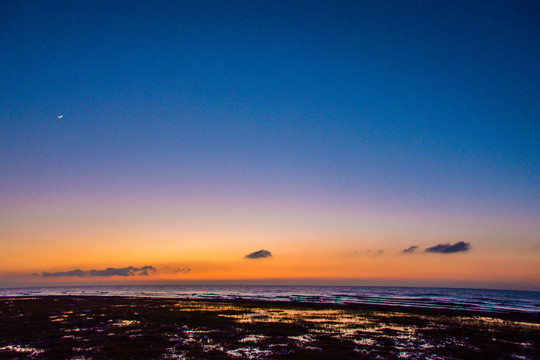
443 298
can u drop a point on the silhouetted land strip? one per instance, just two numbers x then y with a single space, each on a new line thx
95 327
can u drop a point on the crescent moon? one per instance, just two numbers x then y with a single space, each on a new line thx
60 116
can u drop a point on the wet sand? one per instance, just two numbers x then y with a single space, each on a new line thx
93 327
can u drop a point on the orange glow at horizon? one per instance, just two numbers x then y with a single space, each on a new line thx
305 245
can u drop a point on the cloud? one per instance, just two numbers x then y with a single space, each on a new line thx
181 270
127 271
259 254
449 248
77 272
366 252
410 249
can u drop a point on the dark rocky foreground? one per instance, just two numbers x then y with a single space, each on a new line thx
75 327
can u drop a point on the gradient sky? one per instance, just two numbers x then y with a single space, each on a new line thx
334 134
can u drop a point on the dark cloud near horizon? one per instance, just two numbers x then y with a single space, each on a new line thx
449 248
261 254
410 249
127 271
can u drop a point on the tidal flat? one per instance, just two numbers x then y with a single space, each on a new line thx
99 327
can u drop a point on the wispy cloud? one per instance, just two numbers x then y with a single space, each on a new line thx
127 271
410 249
181 271
365 252
449 248
259 254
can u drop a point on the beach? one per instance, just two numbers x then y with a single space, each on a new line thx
113 327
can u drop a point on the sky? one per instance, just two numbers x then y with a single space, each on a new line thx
331 142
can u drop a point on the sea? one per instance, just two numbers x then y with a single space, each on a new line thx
425 297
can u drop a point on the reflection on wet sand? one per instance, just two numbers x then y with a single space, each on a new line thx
131 328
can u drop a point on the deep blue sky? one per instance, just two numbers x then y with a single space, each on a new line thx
383 103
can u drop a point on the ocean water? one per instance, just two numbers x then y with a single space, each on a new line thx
444 298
